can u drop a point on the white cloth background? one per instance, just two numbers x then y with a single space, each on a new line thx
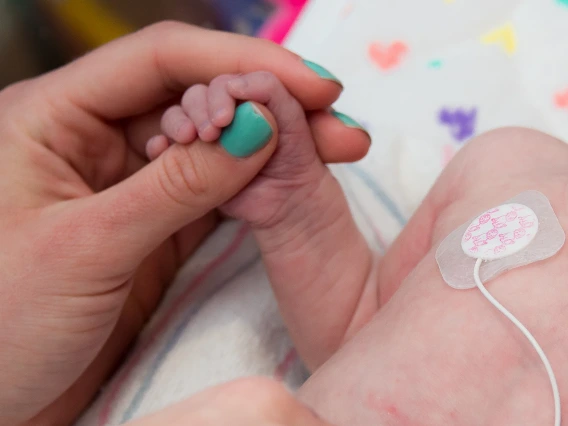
424 76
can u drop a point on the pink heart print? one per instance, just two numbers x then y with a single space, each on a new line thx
561 99
387 56
500 232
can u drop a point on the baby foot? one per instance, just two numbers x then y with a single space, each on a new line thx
204 112
314 254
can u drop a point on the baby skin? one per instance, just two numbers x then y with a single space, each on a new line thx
388 341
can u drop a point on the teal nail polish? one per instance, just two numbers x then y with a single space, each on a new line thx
348 121
321 71
248 133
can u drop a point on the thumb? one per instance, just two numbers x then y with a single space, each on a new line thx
182 185
255 401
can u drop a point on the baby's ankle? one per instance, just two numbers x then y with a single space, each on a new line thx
319 264
312 208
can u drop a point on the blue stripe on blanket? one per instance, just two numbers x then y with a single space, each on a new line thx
353 197
172 342
378 192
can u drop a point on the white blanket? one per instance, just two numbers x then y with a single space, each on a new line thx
424 76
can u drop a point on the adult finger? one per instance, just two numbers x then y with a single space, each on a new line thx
134 74
252 401
335 141
338 140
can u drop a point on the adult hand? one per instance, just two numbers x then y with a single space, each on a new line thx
245 402
91 234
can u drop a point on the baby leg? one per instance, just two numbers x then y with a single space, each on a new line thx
433 355
300 218
296 210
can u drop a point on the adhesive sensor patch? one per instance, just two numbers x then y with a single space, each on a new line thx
500 232
523 230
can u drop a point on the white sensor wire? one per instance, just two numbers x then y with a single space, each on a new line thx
529 337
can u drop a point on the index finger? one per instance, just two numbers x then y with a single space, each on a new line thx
134 74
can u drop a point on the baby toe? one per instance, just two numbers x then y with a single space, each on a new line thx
156 146
194 104
177 126
221 103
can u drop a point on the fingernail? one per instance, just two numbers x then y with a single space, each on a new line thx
248 133
322 72
348 121
220 114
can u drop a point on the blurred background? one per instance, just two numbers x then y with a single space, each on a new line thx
39 35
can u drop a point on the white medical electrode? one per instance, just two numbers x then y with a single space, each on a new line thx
521 231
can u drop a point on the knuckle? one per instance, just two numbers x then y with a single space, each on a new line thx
482 161
511 136
221 80
17 97
159 37
15 90
166 28
267 79
518 142
184 175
